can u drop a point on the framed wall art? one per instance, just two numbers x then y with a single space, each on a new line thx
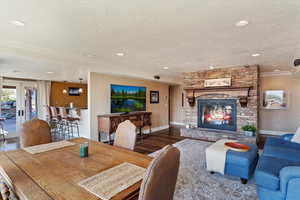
275 99
154 96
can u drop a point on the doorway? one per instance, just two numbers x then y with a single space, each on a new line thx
18 104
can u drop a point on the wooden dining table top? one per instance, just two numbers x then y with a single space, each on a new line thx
55 174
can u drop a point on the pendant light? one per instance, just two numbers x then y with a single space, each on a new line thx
80 89
64 91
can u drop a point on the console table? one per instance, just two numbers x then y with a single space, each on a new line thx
108 124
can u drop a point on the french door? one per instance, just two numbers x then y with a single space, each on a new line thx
18 104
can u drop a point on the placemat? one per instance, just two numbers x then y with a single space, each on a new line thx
48 147
108 183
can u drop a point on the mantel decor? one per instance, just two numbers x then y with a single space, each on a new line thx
243 93
220 82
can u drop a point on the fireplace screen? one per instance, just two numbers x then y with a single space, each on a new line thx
217 114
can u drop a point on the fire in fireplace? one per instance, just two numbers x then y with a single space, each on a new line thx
217 114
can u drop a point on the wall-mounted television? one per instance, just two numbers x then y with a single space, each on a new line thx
127 98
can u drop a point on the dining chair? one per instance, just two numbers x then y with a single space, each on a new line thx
6 187
125 135
161 175
35 132
4 190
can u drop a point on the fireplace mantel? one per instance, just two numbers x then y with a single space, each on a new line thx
242 93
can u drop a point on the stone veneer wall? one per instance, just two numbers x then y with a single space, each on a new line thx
240 76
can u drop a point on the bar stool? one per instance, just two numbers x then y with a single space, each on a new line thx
55 121
62 112
74 119
68 122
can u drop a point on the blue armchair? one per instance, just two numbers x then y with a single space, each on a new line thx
290 182
277 173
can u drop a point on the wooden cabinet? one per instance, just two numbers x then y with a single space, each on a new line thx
108 124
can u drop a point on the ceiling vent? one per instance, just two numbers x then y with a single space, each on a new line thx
297 63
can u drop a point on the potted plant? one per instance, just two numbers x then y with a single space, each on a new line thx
249 130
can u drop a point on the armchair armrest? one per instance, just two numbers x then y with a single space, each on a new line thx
289 182
287 137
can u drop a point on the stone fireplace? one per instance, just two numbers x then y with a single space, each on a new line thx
222 108
219 114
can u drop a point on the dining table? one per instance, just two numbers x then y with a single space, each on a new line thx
55 174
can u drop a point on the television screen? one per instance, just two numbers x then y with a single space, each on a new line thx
127 98
74 91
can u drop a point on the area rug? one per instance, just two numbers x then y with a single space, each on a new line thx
195 183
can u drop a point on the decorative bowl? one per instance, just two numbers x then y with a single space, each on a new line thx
235 146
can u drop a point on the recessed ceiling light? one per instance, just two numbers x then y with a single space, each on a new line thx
242 23
120 54
255 55
18 23
90 55
211 67
165 67
50 72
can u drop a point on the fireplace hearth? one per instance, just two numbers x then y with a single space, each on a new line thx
219 114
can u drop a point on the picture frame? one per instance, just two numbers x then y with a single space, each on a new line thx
74 91
154 97
275 100
220 82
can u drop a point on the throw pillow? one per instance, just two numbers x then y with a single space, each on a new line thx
296 137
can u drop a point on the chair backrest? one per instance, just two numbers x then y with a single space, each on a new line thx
53 112
125 135
35 132
161 176
62 111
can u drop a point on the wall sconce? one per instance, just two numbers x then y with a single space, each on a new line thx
65 91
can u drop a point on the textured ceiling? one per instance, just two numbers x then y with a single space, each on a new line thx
72 37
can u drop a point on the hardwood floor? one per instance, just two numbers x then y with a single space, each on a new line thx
9 144
158 140
149 144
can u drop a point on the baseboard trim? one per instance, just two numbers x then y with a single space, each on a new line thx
177 123
270 132
155 129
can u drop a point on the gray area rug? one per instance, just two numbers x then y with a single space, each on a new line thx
195 183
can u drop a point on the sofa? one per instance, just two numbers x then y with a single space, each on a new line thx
277 174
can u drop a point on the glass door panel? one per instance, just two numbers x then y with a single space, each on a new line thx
30 103
8 109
